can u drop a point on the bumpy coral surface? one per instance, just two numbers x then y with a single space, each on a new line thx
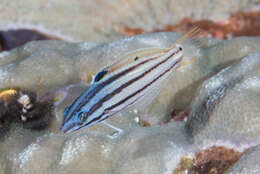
221 90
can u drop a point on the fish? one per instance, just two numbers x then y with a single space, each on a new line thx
7 93
122 84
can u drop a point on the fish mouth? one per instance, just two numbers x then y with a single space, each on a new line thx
62 124
68 129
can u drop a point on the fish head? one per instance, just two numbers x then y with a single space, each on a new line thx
82 112
73 121
76 115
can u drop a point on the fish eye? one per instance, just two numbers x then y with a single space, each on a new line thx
82 116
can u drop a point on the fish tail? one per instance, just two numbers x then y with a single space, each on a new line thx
190 34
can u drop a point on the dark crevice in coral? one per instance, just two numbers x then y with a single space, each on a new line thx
197 120
14 38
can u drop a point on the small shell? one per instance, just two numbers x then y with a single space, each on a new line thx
24 100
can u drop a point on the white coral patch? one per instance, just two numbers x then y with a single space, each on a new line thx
26 155
72 150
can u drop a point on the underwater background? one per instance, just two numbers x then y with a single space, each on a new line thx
204 119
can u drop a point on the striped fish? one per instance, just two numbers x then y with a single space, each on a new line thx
122 84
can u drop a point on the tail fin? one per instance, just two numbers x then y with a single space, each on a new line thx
190 34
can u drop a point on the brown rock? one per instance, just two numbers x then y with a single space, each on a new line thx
14 38
214 160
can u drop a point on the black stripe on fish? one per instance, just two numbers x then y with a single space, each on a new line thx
100 87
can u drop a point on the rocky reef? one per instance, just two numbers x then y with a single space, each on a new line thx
101 20
219 92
